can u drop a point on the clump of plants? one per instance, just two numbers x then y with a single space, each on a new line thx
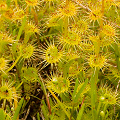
59 60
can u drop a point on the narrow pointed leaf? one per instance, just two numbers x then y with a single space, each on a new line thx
18 109
75 99
79 117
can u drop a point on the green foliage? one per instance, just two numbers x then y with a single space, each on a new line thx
59 59
18 109
2 115
80 113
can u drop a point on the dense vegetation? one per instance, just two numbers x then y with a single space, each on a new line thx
59 59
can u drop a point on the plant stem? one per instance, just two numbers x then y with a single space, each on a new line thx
66 26
35 16
36 22
45 92
61 104
21 28
15 100
13 64
97 46
105 107
94 80
10 26
4 102
72 110
117 55
98 109
27 36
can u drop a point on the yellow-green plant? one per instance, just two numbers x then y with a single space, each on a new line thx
59 59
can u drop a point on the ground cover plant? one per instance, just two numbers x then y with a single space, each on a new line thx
59 60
